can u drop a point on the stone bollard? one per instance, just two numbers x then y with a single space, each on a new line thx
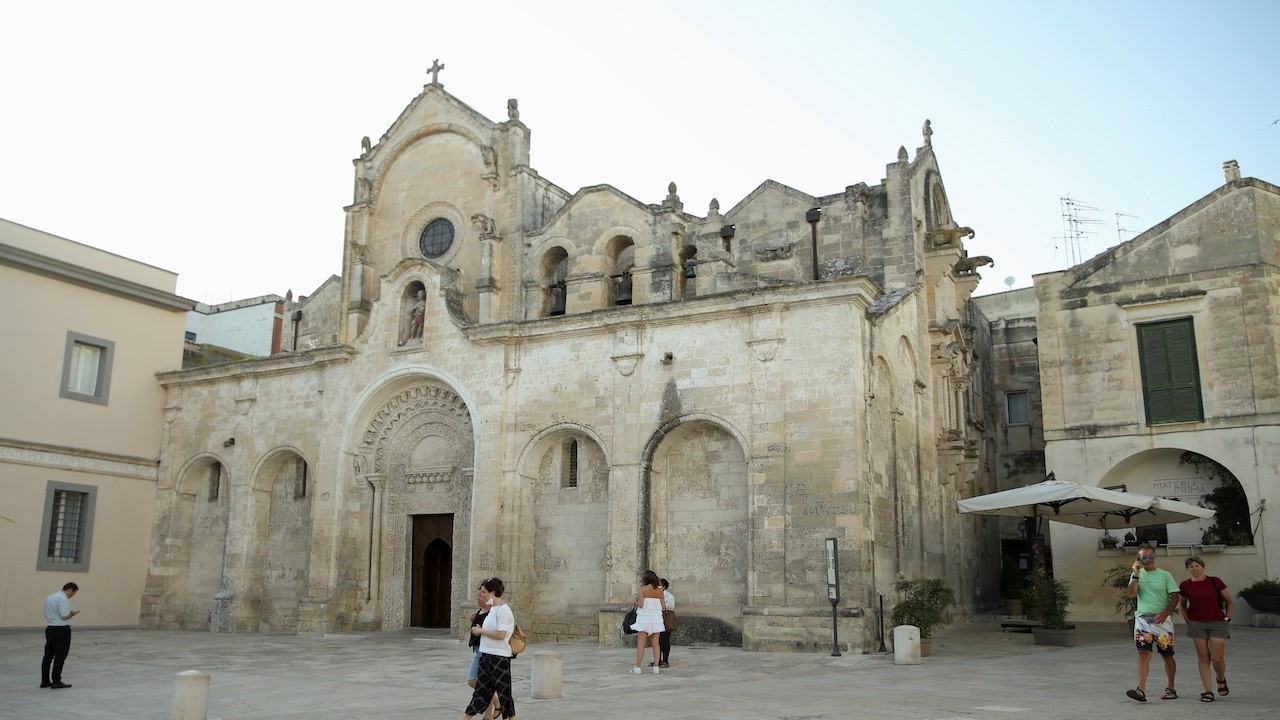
906 645
546 674
190 696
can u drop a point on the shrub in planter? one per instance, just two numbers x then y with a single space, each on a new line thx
924 603
1055 596
1262 595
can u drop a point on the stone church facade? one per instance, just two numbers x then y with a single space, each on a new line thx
564 389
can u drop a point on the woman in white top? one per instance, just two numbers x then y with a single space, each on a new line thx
495 653
648 624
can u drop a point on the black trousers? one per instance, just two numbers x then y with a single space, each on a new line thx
495 678
664 644
57 644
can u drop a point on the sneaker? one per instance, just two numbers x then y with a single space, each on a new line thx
635 671
664 664
655 671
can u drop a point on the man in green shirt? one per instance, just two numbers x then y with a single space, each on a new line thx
1157 594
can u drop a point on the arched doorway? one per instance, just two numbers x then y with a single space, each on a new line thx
432 570
697 527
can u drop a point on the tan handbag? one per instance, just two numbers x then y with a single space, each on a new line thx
517 641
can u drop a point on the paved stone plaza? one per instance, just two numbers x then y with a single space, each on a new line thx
976 672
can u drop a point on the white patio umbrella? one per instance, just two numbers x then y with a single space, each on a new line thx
1162 511
1084 505
1059 500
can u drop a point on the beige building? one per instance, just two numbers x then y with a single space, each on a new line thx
80 429
1164 345
564 388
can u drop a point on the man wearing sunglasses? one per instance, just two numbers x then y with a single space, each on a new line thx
1157 594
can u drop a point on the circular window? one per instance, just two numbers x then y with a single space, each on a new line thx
437 238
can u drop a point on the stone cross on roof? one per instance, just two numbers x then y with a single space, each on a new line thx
436 67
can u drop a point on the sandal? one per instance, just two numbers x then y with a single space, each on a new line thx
1169 694
1206 697
1138 694
1223 690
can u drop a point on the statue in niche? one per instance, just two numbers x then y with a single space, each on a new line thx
513 109
364 187
490 159
415 318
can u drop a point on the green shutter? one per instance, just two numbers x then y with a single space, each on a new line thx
1170 377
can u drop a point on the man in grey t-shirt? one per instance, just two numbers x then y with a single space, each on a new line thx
57 635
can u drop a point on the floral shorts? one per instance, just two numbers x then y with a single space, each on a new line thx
1149 635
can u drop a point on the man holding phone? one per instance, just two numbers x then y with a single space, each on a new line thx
1157 594
57 636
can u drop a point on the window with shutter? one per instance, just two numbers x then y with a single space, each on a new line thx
1170 375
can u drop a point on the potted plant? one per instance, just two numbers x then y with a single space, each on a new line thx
924 604
1118 578
1262 595
1055 596
1108 541
1011 586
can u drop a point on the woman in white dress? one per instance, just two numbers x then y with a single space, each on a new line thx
648 624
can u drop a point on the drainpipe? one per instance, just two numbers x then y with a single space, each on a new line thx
812 217
297 318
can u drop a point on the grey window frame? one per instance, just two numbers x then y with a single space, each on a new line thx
105 361
1008 415
86 542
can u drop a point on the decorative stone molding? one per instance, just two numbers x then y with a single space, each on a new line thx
626 364
442 474
780 252
765 349
68 458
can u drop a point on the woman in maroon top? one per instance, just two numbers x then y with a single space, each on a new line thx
1208 608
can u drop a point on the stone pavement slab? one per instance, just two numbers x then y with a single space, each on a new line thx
976 672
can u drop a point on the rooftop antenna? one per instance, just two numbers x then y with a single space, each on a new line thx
1076 214
1122 229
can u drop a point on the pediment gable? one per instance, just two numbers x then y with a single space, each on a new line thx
1220 230
435 106
772 188
621 207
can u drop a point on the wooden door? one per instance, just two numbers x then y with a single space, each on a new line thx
432 570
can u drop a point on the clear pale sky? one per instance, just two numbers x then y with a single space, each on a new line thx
216 140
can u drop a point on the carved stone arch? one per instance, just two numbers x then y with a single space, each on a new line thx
413 405
412 138
656 438
424 215
187 474
544 438
600 246
264 467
